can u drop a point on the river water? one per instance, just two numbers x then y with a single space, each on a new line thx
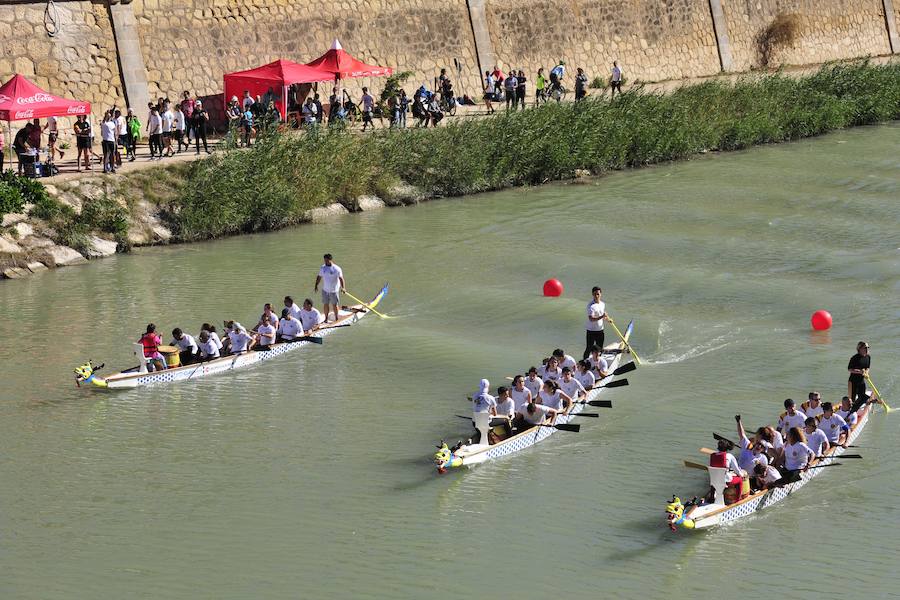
309 476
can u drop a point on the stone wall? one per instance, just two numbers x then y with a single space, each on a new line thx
221 36
664 39
827 30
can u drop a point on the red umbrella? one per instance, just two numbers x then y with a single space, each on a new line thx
341 65
21 99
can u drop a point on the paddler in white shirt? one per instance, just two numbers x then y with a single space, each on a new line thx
310 316
520 394
533 382
292 307
790 418
505 411
815 437
834 426
846 413
331 277
268 311
570 386
563 359
598 364
551 397
289 328
584 375
187 347
751 454
536 414
213 336
265 333
550 371
813 406
209 349
241 341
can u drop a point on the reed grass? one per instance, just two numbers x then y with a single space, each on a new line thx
274 183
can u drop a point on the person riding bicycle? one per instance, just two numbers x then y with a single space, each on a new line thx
556 75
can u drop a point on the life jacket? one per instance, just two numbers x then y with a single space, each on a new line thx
150 343
717 459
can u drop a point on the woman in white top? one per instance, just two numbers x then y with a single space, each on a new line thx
797 453
551 370
584 375
520 394
552 397
533 382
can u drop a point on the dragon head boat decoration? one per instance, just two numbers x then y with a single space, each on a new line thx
675 515
446 458
86 373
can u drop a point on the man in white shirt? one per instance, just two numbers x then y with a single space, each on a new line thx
564 360
845 411
834 426
108 137
289 327
266 332
292 307
154 132
309 316
187 347
596 313
537 414
815 437
168 122
571 386
813 406
598 364
209 349
309 112
791 418
241 341
180 124
331 277
121 135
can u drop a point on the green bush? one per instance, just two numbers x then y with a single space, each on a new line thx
16 191
272 184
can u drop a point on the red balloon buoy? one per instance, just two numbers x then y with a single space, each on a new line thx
553 287
821 320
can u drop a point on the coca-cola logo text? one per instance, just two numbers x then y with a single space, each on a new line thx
77 110
37 98
24 114
4 98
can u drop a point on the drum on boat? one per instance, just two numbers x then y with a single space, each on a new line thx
172 357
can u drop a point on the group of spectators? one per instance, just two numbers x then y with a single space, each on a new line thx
512 86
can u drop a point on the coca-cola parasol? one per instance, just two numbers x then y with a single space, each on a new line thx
21 99
342 65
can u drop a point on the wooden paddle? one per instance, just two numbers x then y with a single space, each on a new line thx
382 315
622 337
693 465
887 408
707 451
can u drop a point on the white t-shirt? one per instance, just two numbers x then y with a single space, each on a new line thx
121 126
483 402
266 335
567 361
289 327
179 120
772 475
586 379
553 400
310 318
600 365
731 463
51 125
209 349
294 310
787 421
309 113
796 456
331 281
816 440
186 342
571 388
239 341
848 416
154 124
548 375
108 131
778 440
507 408
595 309
747 459
167 120
214 337
534 385
520 398
814 412
540 414
832 426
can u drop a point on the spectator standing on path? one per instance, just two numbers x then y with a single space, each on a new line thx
179 125
154 132
35 136
187 107
83 142
53 136
520 89
108 142
247 101
247 126
556 76
367 102
21 143
581 82
200 118
615 80
509 90
489 83
133 126
121 135
168 128
403 104
540 87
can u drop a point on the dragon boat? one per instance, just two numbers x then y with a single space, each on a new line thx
703 515
139 376
473 454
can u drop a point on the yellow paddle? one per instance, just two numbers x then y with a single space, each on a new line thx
627 345
887 408
383 316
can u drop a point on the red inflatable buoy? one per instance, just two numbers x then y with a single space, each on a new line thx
820 320
553 287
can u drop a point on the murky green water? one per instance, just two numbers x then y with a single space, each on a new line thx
308 476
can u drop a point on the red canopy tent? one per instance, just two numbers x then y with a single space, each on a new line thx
341 65
277 76
21 99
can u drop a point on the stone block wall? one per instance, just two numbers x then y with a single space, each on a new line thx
828 30
190 44
664 39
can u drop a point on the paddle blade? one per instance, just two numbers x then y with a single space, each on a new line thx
573 427
693 465
592 415
311 338
625 369
615 384
600 403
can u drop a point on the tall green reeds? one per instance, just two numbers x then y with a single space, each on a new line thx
274 183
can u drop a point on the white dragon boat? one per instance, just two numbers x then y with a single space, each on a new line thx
473 454
140 376
718 512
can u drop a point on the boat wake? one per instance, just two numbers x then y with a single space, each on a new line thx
667 356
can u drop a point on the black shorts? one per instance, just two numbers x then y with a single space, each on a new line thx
616 85
83 143
53 137
367 116
123 140
167 135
